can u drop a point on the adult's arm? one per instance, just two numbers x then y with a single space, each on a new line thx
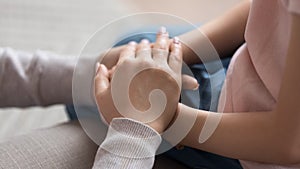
34 79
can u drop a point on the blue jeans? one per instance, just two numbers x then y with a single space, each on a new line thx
190 157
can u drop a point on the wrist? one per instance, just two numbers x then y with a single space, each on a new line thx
195 117
141 140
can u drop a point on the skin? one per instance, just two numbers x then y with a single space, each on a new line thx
229 28
165 75
271 136
226 33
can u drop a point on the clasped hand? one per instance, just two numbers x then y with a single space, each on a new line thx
146 67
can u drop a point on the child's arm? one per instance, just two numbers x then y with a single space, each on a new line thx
35 79
271 137
226 33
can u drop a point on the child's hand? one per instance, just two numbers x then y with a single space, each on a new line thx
163 73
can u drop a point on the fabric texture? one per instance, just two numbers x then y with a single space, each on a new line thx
64 146
293 6
128 144
190 157
34 79
255 74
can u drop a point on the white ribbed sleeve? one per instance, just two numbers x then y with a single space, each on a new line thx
128 144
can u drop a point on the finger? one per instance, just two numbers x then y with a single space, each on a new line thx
161 46
110 57
175 58
189 83
111 72
101 79
143 50
128 52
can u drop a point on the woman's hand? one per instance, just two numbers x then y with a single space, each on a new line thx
163 73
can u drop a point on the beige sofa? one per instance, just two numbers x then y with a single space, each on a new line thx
64 146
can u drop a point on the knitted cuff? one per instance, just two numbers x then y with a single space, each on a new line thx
131 139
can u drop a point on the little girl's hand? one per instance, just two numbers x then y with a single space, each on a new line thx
163 72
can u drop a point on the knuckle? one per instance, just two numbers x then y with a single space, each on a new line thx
164 66
127 61
176 48
144 52
126 53
162 43
176 58
162 46
127 50
145 63
143 45
160 52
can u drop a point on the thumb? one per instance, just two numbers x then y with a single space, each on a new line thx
190 83
101 81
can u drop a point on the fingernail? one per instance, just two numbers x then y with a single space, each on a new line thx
132 43
176 40
97 67
162 30
145 41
